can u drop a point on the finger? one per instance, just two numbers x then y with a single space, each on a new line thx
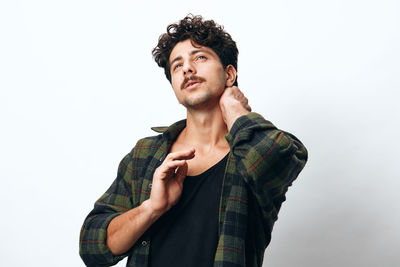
235 89
181 172
181 155
229 91
172 165
167 170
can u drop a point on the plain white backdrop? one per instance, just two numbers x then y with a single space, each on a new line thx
78 87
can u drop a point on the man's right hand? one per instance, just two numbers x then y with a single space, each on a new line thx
125 229
168 180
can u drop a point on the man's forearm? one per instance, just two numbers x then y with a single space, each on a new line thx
125 229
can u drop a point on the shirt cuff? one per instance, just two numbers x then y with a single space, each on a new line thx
93 246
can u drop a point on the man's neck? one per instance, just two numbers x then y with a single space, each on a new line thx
205 129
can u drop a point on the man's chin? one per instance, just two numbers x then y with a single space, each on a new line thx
199 102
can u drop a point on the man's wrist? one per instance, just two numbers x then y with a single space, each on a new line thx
147 209
233 113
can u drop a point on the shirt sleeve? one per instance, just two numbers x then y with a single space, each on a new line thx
115 201
268 159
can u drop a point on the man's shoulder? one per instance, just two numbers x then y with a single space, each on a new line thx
145 147
148 142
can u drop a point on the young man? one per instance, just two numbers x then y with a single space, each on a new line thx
207 191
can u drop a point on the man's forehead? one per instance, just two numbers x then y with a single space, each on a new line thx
187 47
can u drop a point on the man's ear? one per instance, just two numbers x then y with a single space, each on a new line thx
230 74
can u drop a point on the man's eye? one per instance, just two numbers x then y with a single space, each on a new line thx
201 57
177 66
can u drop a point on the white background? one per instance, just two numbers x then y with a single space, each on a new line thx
78 87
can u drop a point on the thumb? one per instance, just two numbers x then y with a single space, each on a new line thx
181 172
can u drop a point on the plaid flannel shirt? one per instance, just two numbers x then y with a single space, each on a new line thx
263 162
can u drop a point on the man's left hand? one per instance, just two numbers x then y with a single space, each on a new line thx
233 104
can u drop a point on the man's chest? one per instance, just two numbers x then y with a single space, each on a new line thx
203 160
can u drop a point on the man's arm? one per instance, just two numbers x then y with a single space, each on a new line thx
114 225
114 202
268 159
167 186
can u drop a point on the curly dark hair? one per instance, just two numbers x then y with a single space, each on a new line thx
205 33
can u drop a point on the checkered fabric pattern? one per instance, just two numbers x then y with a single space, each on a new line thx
263 162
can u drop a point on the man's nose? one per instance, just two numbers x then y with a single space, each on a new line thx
188 68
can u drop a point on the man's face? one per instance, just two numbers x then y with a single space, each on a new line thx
197 75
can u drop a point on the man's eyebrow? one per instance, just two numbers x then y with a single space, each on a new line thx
200 51
175 59
191 53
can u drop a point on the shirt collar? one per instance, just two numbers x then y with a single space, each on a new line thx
171 132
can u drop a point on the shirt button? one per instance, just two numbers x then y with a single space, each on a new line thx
144 243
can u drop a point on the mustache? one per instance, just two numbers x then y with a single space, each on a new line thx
193 77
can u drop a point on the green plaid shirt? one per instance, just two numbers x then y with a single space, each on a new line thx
263 162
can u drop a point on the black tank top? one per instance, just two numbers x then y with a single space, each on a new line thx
187 235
